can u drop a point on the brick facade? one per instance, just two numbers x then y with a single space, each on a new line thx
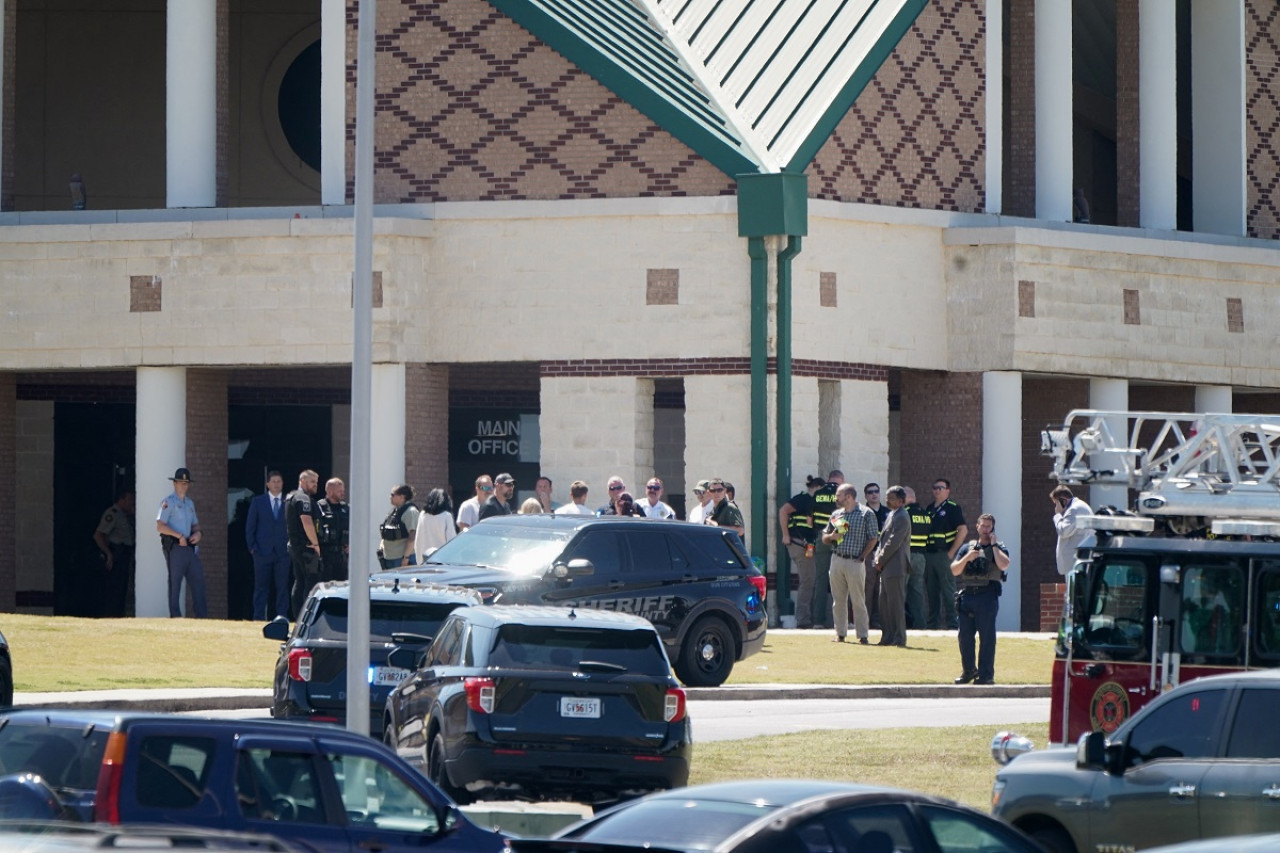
1262 124
1128 127
915 137
426 419
8 110
207 459
1020 111
1045 401
940 434
730 365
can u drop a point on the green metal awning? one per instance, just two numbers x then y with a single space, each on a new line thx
751 85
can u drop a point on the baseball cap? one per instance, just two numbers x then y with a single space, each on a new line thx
702 486
504 479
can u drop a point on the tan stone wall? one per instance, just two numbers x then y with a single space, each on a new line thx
33 480
915 137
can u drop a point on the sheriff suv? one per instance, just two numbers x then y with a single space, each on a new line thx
542 703
695 583
310 680
1201 761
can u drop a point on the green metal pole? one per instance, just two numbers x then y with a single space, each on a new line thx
759 396
783 485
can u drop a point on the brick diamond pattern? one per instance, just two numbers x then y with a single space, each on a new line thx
1262 118
915 137
471 107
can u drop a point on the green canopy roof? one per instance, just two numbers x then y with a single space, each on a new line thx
751 85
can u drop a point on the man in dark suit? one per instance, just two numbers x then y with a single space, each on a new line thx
893 561
268 541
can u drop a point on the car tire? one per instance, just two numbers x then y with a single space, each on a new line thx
437 774
1055 839
706 658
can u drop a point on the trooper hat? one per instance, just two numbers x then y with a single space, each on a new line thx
182 475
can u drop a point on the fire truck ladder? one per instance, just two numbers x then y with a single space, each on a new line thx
1189 465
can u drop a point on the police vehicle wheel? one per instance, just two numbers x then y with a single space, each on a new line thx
707 656
436 773
1054 839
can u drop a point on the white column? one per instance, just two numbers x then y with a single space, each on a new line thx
387 442
594 428
333 102
1158 114
864 433
191 103
1002 482
1214 399
717 419
994 118
1217 116
1110 395
161 449
1053 110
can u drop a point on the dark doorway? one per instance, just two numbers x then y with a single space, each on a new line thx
288 439
93 459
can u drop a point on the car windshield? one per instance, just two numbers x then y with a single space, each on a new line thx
687 824
64 757
523 550
544 647
385 618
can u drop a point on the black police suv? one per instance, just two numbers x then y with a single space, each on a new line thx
311 673
542 703
695 583
318 788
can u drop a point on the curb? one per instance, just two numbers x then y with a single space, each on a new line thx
215 699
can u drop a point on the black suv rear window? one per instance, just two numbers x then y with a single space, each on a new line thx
546 647
64 757
385 618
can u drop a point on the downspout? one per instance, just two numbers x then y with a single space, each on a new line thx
759 396
783 456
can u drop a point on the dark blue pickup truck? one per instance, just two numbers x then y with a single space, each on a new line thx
315 786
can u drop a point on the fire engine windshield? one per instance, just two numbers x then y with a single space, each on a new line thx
1114 613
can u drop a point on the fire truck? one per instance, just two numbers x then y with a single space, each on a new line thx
1181 583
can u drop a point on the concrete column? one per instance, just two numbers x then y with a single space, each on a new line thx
1217 119
191 104
1053 111
864 432
1158 114
718 434
1214 399
333 102
161 449
1002 483
994 116
387 468
1110 395
597 427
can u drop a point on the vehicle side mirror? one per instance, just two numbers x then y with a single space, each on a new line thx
573 568
277 629
407 639
1091 751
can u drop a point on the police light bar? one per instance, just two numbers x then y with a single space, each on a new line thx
1118 523
1245 527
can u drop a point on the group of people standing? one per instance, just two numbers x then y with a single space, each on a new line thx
895 566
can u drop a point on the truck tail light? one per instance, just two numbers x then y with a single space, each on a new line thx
106 801
480 693
300 665
673 709
759 583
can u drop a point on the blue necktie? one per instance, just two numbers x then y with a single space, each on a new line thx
275 508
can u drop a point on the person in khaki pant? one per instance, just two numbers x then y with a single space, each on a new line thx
852 532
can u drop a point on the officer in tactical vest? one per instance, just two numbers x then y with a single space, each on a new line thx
921 524
304 538
114 538
334 526
795 517
824 503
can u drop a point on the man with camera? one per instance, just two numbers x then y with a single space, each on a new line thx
979 568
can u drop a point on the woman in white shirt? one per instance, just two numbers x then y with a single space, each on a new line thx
435 524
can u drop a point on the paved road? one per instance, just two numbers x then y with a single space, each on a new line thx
732 719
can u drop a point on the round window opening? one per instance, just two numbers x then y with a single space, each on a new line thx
298 105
